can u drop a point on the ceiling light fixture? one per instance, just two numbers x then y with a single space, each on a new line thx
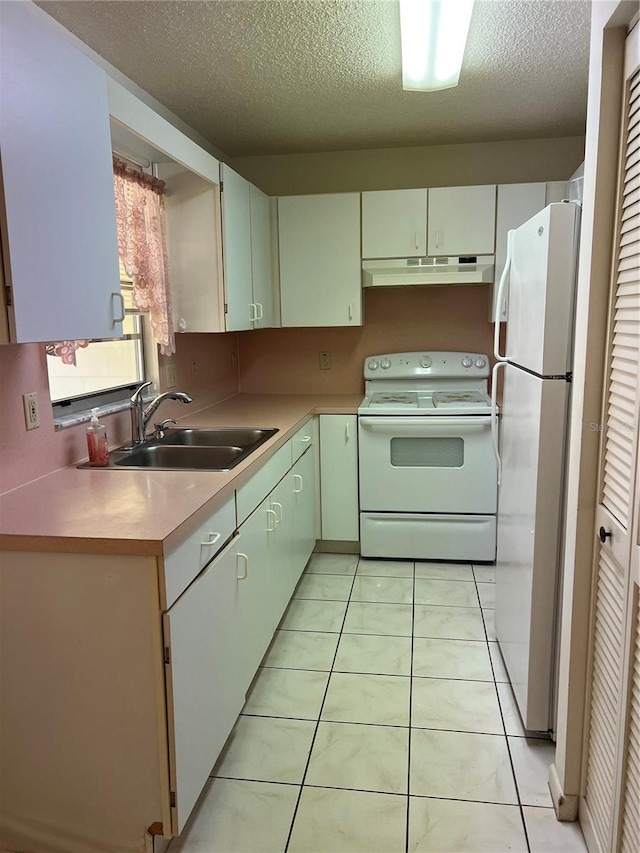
434 35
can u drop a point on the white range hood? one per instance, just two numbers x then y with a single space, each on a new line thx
403 272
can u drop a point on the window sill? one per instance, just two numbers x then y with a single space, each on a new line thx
83 417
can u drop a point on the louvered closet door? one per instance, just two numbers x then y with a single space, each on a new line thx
610 806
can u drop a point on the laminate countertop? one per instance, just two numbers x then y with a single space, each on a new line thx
108 511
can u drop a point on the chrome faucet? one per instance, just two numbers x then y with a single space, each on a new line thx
140 416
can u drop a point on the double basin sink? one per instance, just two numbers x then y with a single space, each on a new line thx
192 449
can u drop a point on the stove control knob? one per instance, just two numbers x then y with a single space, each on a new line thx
467 362
373 364
481 362
426 361
385 364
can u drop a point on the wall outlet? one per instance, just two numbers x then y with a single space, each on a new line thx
31 413
171 376
194 370
325 361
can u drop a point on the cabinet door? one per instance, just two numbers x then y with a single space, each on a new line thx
236 235
302 476
259 597
59 222
194 245
461 220
394 224
319 243
283 565
206 673
261 260
339 477
516 204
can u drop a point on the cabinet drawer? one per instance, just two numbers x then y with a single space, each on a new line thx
252 493
182 565
301 440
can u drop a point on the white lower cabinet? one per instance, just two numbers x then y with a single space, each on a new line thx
150 678
339 477
303 477
206 676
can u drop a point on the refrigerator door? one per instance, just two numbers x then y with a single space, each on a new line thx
529 521
541 291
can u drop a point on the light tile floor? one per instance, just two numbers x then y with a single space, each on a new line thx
382 721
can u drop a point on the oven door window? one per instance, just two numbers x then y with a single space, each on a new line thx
422 452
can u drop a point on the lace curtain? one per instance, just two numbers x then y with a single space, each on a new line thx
142 246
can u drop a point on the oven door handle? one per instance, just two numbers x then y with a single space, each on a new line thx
469 423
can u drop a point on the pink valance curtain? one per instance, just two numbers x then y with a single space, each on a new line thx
142 246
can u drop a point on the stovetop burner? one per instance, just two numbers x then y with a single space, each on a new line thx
382 398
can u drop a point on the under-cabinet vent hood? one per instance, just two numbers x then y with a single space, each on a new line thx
402 272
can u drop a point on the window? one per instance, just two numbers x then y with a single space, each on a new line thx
106 370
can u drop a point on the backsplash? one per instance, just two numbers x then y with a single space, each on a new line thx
276 361
280 361
25 456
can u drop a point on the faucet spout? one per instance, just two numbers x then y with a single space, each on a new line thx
140 416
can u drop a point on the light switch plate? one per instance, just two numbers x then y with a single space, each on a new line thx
171 376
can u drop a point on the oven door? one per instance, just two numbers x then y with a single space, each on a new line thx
427 464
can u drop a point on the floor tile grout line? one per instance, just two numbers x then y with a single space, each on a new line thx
506 737
385 793
315 733
413 619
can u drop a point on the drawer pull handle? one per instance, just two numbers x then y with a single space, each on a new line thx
279 515
351 310
245 560
275 520
299 478
346 431
305 439
259 310
213 538
253 312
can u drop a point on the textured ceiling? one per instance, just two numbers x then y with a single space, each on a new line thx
284 76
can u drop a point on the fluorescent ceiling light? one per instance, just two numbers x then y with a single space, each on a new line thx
434 35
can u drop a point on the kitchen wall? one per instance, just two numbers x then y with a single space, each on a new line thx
511 162
395 320
24 456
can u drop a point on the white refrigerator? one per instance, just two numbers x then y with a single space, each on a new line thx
540 280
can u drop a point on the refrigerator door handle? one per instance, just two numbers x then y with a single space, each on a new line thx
494 416
503 289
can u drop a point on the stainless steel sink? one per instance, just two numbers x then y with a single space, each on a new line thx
223 437
191 449
183 458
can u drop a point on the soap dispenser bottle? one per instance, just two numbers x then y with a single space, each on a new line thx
97 442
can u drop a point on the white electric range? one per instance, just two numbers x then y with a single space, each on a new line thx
428 476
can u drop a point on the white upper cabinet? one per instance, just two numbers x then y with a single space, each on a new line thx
394 224
461 220
261 260
247 254
58 217
236 230
192 205
319 243
516 204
